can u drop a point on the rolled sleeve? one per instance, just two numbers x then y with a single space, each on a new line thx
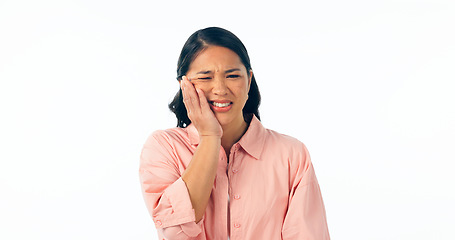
306 216
183 231
165 193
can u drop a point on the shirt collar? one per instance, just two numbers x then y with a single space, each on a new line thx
252 141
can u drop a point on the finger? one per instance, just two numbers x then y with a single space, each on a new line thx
191 91
182 88
191 97
202 100
186 99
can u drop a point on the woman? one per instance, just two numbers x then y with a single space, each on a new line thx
220 174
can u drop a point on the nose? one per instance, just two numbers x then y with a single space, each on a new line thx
219 86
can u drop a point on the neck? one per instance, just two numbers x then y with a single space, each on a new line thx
232 133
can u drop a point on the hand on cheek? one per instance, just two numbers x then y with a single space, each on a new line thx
199 111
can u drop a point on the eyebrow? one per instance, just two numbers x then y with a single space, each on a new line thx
227 71
232 70
204 72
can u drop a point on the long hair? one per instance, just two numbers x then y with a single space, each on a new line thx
196 43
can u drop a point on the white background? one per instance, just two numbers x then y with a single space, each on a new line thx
368 86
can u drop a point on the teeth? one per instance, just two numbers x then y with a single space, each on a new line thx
221 104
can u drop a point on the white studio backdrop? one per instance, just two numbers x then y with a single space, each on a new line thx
368 86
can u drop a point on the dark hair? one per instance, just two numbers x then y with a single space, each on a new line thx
196 43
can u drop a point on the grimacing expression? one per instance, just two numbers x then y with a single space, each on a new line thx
221 75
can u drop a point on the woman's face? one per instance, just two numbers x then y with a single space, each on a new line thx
219 72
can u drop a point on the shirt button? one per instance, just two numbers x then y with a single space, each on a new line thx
237 197
235 170
158 223
236 225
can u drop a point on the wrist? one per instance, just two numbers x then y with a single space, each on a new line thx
210 138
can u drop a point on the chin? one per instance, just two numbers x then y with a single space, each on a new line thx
223 119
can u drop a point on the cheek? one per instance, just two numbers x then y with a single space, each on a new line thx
242 88
204 87
241 92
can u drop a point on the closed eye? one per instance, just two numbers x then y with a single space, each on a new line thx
233 76
204 78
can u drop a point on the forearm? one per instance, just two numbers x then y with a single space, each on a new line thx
200 173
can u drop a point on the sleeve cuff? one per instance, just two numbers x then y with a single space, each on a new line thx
192 228
182 209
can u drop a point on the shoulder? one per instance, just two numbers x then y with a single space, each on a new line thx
294 154
290 148
167 136
163 146
284 141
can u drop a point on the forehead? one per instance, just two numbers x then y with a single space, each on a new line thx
216 58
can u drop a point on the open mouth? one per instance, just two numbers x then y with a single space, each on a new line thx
217 104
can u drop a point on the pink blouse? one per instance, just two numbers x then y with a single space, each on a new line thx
267 191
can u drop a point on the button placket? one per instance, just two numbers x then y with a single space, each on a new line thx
234 221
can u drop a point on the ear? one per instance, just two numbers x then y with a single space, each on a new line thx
181 81
249 79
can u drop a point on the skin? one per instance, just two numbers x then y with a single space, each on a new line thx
216 74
